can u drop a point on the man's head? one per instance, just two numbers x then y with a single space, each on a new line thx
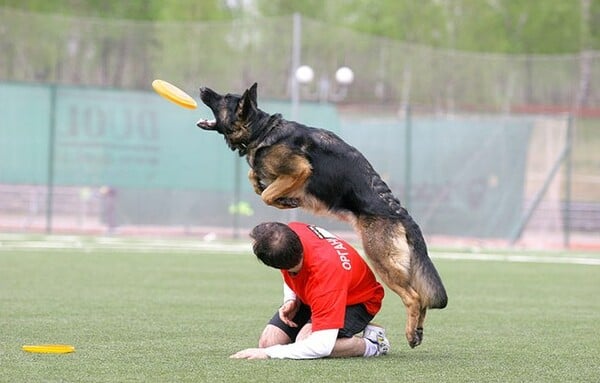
276 245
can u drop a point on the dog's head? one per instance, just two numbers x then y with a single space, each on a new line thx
234 116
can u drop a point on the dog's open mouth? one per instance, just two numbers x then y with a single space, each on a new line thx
206 124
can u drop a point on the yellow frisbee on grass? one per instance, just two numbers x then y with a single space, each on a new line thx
174 94
49 348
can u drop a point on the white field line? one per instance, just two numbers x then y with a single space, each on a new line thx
19 242
151 245
516 258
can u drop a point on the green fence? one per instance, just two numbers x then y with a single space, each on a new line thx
463 176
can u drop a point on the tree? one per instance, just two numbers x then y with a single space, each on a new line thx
503 26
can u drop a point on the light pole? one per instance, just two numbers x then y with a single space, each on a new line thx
304 75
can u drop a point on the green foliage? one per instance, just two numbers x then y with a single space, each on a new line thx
591 26
179 10
194 10
130 9
506 26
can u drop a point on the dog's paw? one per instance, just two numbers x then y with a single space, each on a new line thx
257 184
417 338
261 185
258 188
419 335
287 203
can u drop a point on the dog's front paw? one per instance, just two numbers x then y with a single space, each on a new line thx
287 203
258 185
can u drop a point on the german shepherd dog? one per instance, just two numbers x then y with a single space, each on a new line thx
293 165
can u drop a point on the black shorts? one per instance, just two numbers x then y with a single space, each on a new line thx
357 318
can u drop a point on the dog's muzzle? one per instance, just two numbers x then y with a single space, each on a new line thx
206 124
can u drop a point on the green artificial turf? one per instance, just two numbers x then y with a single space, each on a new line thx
176 316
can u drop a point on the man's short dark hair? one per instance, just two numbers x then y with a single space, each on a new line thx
276 245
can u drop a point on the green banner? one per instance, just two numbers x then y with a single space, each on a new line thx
117 138
465 175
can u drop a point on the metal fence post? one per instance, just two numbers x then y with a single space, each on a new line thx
407 158
237 189
568 172
50 169
295 85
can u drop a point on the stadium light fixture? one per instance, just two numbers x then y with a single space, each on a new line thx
344 76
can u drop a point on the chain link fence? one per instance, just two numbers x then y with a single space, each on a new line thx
440 90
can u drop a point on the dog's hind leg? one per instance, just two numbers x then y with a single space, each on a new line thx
414 334
385 244
410 298
420 323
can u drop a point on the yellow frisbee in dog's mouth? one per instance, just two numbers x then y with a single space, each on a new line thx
49 348
174 94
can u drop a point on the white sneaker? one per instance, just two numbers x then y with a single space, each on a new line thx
376 334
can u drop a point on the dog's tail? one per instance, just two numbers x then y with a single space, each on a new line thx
424 276
398 252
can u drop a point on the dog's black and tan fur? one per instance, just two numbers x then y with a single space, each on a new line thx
292 165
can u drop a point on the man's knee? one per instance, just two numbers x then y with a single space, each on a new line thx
304 332
271 336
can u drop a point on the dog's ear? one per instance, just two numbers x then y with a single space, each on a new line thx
251 92
247 102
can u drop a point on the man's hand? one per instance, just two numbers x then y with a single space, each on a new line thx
251 353
288 311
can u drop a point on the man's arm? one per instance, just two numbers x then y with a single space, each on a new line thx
318 344
288 293
290 306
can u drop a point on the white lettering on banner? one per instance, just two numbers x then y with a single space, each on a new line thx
341 251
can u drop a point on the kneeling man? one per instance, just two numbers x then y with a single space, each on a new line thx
330 296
